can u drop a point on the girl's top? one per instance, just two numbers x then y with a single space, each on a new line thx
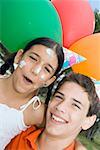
11 122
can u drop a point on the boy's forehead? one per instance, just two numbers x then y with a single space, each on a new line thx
75 90
66 84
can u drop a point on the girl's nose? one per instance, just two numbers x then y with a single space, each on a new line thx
37 70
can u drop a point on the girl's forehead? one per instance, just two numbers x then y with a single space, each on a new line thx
39 47
42 49
49 51
45 54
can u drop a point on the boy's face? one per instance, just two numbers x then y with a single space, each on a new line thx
67 112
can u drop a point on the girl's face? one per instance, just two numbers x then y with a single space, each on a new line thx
36 68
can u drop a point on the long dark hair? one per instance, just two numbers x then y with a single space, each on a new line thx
43 41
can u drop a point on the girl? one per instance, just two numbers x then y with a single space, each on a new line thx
37 66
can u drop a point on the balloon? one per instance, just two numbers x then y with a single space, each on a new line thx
24 20
77 19
97 86
89 47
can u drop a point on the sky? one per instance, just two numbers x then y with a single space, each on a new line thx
95 4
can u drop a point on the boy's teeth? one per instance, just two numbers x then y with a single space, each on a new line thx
57 119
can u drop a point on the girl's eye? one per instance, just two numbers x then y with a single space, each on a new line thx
76 106
33 58
47 69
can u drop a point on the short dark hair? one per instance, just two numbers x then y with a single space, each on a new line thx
88 85
43 41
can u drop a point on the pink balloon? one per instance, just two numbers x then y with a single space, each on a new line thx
77 19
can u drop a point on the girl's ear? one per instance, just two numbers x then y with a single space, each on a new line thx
18 56
89 121
51 80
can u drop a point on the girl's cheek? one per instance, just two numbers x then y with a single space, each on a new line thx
22 64
42 77
27 60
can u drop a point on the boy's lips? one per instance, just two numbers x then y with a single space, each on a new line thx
58 119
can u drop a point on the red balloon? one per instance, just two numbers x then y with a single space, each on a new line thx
77 19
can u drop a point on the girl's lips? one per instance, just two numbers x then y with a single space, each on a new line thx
27 80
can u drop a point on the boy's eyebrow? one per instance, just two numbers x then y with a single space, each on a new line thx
78 102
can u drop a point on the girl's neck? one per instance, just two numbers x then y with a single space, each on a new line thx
10 96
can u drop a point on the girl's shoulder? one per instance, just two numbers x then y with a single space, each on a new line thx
3 76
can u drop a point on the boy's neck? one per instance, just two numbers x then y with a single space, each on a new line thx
47 142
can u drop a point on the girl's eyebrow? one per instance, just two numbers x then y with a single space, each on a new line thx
35 54
39 57
51 67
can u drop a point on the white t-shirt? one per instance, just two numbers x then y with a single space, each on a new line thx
11 122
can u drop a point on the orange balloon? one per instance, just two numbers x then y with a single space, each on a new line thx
89 47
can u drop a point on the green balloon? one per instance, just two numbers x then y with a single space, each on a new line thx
25 20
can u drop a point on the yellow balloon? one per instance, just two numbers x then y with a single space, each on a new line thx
89 47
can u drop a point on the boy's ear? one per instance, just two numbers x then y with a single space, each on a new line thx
79 145
51 80
18 56
89 121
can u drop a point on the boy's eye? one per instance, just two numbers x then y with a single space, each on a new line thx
58 97
76 106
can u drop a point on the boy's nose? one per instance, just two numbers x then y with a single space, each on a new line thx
61 107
